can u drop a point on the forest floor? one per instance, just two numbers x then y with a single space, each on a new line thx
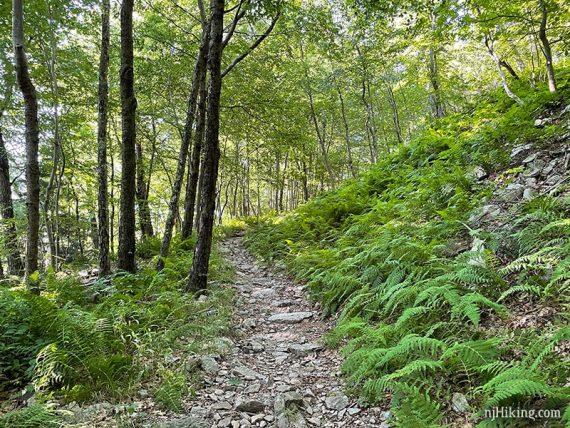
278 373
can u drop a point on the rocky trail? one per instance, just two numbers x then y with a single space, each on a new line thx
278 374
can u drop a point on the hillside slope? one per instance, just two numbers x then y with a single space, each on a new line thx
447 265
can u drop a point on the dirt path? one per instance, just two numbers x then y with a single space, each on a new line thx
278 373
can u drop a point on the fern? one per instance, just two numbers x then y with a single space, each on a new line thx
524 288
34 416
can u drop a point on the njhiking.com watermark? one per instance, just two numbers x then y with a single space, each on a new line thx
507 412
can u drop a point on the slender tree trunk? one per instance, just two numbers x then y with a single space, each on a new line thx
320 134
199 274
32 140
51 213
102 170
194 165
395 115
505 64
127 242
112 220
198 76
489 44
142 195
546 48
436 97
15 265
282 182
346 134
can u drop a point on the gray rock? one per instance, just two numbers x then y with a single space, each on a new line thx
512 193
223 344
549 168
265 293
281 303
255 346
222 405
535 168
290 317
530 158
553 180
249 323
529 193
353 411
541 123
291 420
486 213
186 422
336 400
518 153
250 406
480 173
253 388
209 365
459 403
305 348
226 422
246 373
199 412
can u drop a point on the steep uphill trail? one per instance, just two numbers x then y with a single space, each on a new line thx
277 373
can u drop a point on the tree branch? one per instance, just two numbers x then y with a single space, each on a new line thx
252 47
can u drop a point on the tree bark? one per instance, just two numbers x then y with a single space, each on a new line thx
15 265
199 274
395 114
546 48
127 243
142 195
436 97
505 64
491 51
198 76
32 139
346 135
194 166
102 169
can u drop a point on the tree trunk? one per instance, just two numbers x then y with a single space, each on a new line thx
127 243
436 98
15 266
32 140
102 170
194 166
395 115
510 69
546 48
346 134
199 274
142 195
198 76
490 49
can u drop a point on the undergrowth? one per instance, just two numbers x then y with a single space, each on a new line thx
428 306
103 340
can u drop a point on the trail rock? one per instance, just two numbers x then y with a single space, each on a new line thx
246 373
266 293
336 400
305 348
290 317
186 422
459 403
209 365
512 193
250 406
